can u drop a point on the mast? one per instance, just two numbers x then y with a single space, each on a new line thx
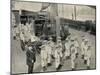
57 22
74 12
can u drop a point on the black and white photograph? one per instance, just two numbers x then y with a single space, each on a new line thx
52 37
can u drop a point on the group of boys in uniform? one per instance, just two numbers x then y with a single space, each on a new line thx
72 51
53 51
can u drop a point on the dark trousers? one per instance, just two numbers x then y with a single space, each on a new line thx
22 45
30 68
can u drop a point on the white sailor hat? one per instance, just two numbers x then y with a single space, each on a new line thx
30 48
86 40
44 41
42 46
59 38
50 38
32 38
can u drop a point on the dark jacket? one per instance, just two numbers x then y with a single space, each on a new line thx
30 56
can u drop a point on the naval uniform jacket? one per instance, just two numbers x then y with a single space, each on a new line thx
30 57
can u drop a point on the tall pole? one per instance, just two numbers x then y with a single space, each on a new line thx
55 19
57 23
72 17
62 11
74 12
